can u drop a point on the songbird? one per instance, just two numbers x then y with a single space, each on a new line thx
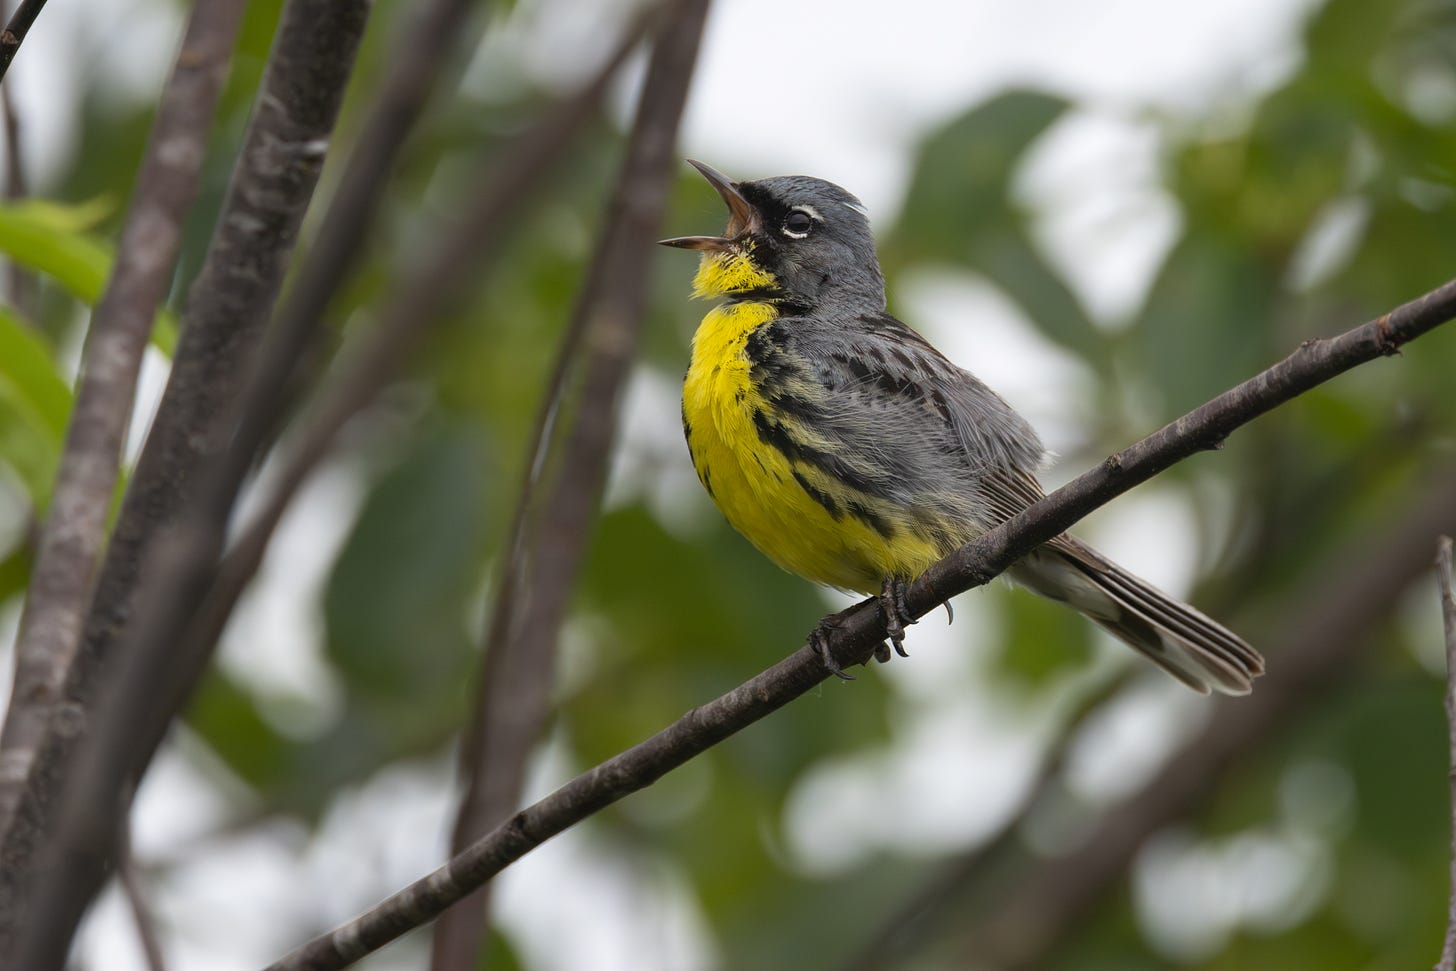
851 452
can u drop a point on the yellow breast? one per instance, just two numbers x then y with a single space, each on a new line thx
795 513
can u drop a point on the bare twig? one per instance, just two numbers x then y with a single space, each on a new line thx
172 636
234 295
297 326
861 628
513 700
75 528
1448 620
1326 634
422 300
20 285
136 900
284 151
14 33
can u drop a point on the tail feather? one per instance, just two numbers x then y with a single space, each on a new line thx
1190 646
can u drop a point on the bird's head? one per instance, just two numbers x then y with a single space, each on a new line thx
792 238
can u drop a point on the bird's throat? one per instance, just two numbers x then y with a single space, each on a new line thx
730 274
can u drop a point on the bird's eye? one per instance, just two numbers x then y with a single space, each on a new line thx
798 223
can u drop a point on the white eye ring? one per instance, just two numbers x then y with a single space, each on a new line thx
800 211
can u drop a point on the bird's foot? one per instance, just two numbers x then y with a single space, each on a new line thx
819 644
897 616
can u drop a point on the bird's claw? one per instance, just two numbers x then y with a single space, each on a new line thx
897 616
819 644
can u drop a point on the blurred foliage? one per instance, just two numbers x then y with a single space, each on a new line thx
1328 200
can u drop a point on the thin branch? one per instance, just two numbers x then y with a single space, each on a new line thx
1327 631
14 33
136 900
514 697
75 528
467 252
238 285
170 637
1448 620
860 630
283 154
20 285
404 92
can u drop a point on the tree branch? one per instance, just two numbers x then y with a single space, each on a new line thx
136 900
74 532
1448 619
282 156
14 33
539 575
861 629
467 252
20 285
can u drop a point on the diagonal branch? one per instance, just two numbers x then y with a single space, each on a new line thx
20 287
14 33
514 695
74 532
1448 621
862 628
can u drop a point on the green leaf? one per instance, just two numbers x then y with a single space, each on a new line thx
1208 321
14 572
963 176
28 446
26 364
396 602
52 239
959 210
1043 640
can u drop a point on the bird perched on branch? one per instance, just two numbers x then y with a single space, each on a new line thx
853 453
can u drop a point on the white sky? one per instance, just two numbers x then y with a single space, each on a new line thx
841 90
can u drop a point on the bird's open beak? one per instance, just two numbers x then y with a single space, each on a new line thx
742 217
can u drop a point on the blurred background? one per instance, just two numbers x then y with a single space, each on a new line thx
1109 212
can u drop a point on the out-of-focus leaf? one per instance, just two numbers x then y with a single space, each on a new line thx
14 572
1205 325
396 602
1392 737
958 210
1008 259
27 366
227 719
28 445
1043 640
963 173
52 239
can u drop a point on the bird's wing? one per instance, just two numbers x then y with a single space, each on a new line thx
931 432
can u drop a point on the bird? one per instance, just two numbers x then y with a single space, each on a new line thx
853 453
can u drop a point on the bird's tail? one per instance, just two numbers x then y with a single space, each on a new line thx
1191 647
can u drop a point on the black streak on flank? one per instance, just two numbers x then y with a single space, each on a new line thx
819 495
871 518
798 408
773 433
